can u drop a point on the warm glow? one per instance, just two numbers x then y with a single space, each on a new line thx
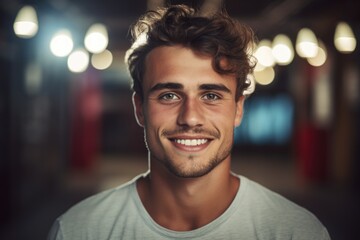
259 67
263 53
306 43
102 60
61 44
78 61
265 77
282 49
344 38
96 38
320 57
26 22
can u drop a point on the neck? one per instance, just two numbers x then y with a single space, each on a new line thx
184 204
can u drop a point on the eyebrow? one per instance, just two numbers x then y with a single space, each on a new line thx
168 85
217 87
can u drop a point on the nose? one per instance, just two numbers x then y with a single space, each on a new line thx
191 114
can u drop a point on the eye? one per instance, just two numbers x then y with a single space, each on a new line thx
169 96
211 97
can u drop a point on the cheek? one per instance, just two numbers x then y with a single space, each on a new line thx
159 115
223 119
223 113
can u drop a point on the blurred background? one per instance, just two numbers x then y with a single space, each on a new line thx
66 121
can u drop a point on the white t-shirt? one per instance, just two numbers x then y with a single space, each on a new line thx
255 213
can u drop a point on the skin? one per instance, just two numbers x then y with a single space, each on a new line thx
188 113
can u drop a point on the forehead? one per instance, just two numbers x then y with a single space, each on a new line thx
181 65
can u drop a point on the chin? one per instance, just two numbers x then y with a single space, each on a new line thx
192 171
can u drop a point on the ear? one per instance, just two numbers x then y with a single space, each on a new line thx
239 111
138 110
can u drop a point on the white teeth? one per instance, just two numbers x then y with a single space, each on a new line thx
191 142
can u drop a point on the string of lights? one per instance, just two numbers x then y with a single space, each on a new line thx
279 51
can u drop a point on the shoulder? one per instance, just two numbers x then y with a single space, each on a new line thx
101 202
98 212
266 199
276 214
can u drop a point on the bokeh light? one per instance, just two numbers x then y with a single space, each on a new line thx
78 61
61 43
96 38
26 22
344 38
306 43
102 60
282 49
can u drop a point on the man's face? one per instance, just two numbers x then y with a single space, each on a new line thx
188 111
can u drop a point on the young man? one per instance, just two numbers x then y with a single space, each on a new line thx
189 77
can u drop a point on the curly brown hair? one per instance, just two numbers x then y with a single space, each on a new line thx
218 36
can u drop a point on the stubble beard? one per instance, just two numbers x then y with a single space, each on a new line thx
198 166
196 170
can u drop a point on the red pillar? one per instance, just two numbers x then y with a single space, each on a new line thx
86 116
312 153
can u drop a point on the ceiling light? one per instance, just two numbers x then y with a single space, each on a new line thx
96 38
61 43
265 77
344 38
78 61
102 60
263 53
306 43
282 49
26 22
320 57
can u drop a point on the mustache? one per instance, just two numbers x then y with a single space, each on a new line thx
191 130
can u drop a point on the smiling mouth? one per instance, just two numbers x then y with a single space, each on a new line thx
191 142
